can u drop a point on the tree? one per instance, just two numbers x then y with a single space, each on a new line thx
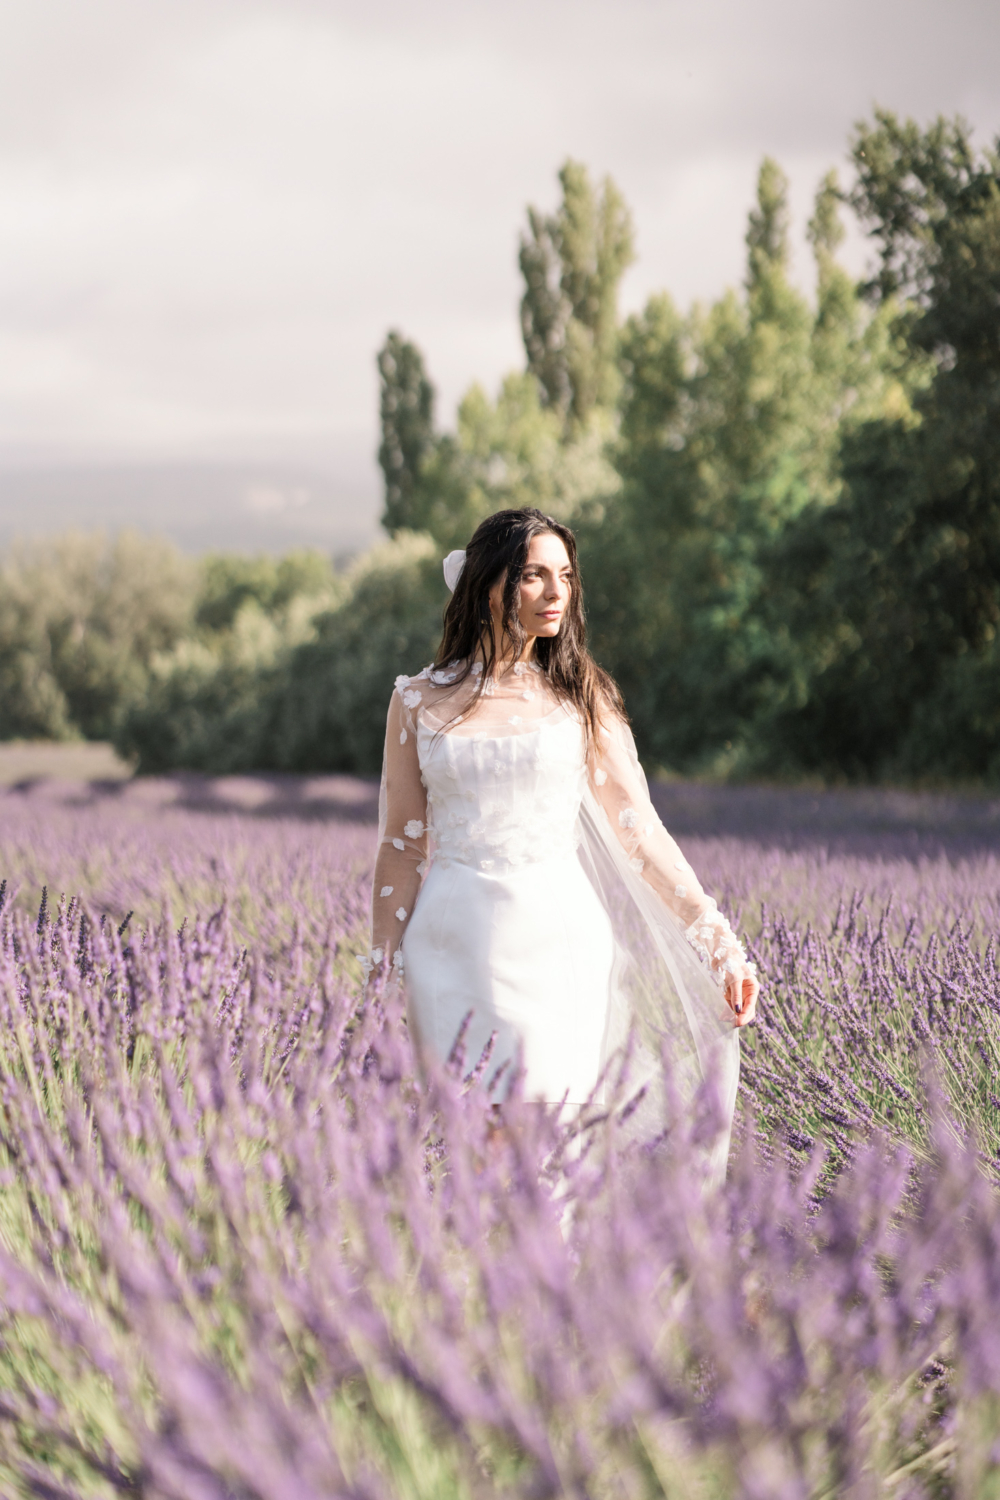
328 711
933 205
542 441
81 620
767 230
406 408
230 580
545 311
572 263
704 582
715 453
898 596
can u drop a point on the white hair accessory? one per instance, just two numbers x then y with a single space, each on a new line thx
452 566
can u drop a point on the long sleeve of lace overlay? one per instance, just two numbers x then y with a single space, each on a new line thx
403 847
620 786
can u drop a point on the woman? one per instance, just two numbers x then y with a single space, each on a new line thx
523 877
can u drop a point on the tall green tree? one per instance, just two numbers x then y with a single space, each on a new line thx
792 565
932 203
406 410
901 602
541 442
732 420
714 453
572 263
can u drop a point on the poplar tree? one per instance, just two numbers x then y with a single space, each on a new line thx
572 263
724 440
767 229
825 233
406 409
776 422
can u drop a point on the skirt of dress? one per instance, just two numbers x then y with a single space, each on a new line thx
530 953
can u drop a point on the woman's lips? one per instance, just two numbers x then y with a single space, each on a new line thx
549 614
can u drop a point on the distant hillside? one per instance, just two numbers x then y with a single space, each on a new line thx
201 507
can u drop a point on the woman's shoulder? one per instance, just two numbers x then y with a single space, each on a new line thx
431 680
608 701
409 688
612 726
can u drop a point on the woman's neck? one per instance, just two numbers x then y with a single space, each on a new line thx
505 661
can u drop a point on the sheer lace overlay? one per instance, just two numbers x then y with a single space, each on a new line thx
427 815
498 834
496 790
620 788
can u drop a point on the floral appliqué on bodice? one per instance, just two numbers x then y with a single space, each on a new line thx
500 801
496 782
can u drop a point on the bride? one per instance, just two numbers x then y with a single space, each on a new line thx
523 879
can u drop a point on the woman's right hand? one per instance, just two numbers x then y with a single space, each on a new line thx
742 989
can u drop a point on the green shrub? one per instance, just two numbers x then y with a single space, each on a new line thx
81 619
332 698
228 581
305 688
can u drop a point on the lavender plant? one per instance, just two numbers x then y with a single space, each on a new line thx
245 1251
854 1021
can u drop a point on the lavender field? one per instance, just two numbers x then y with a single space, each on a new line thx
245 1253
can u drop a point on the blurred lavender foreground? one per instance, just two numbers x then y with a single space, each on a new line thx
243 1253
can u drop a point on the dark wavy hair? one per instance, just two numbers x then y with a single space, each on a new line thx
499 549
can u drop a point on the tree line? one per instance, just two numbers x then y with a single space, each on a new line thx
788 510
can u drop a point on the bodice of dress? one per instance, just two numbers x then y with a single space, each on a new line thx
495 780
500 801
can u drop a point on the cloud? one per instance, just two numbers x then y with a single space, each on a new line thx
211 211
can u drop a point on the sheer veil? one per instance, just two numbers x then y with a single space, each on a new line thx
668 1024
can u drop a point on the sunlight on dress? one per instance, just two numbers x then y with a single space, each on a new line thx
532 885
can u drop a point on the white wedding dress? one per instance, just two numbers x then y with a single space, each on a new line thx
532 893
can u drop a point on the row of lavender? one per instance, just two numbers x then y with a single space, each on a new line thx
857 1022
244 1253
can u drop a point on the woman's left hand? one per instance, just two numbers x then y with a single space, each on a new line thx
742 990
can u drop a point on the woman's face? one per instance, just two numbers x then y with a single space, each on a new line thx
546 586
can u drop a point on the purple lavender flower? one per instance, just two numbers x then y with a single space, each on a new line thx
248 1249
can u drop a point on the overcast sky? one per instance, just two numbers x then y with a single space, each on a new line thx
212 210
